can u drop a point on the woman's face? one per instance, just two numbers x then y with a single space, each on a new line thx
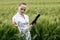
22 8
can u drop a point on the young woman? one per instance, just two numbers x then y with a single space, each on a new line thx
21 20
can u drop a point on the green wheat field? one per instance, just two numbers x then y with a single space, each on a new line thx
47 27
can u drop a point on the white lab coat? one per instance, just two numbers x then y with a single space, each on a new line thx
23 25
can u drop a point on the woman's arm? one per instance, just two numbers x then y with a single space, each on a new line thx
30 27
15 24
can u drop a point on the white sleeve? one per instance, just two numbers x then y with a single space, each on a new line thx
28 19
14 20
